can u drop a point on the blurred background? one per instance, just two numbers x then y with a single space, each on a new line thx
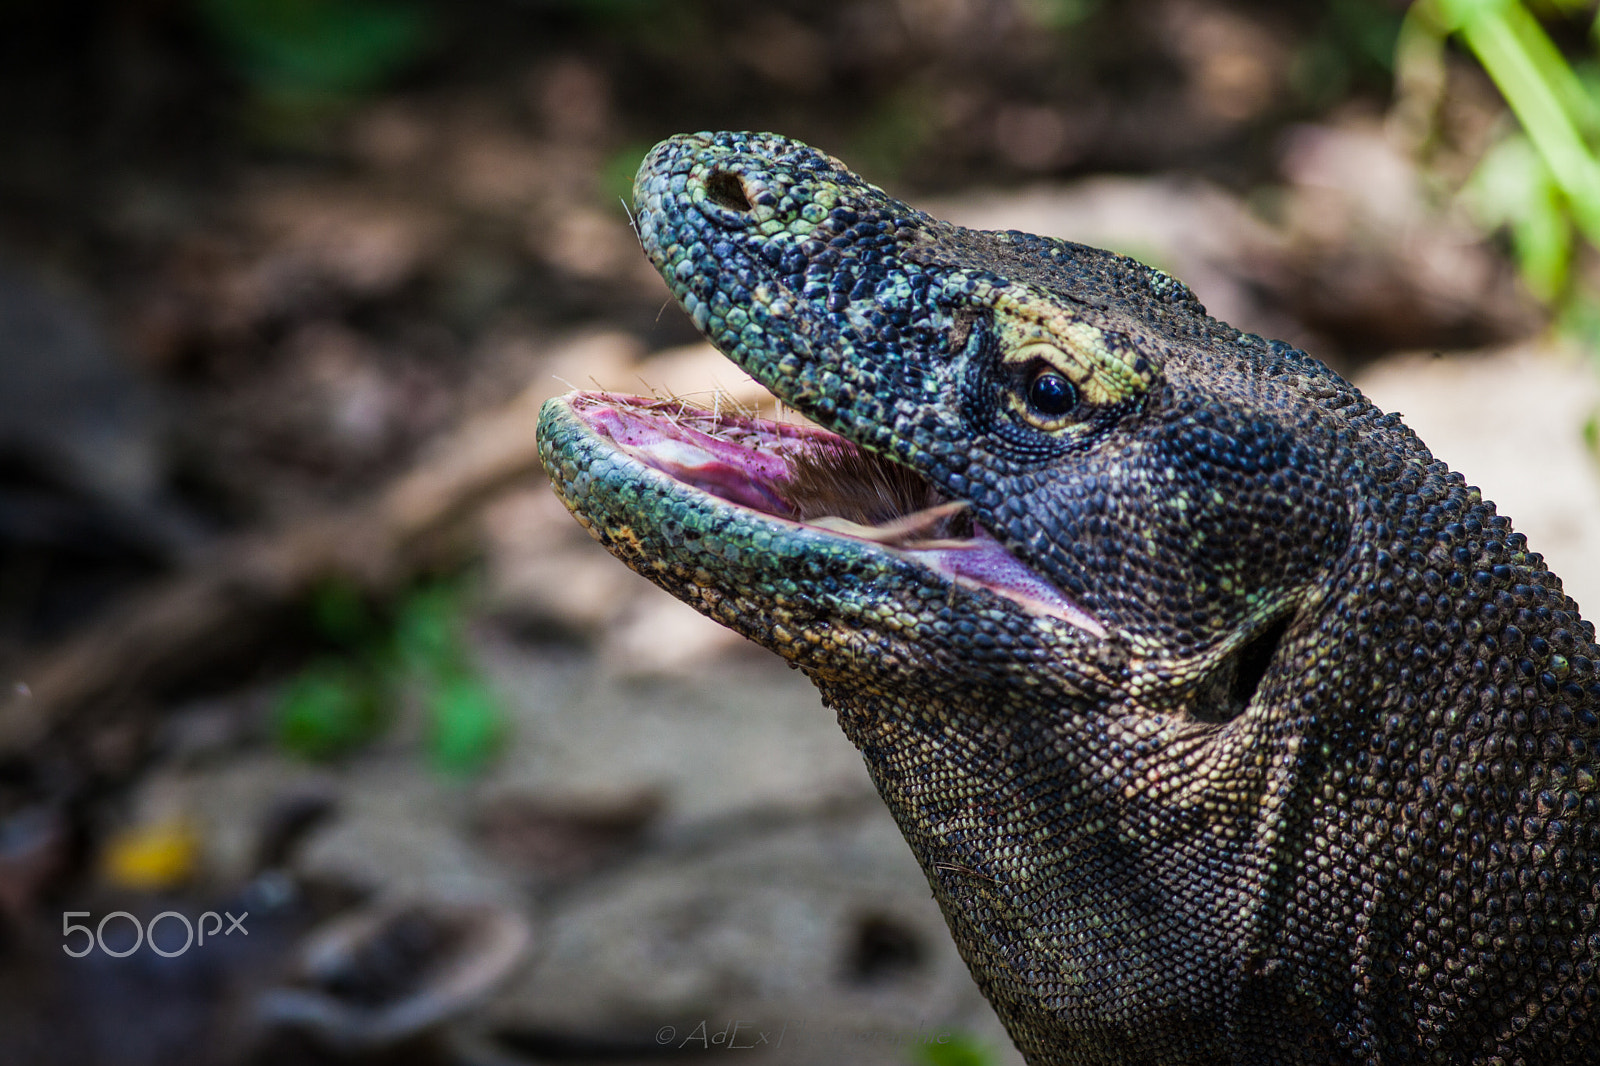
291 629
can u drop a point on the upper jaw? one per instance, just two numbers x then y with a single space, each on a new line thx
778 255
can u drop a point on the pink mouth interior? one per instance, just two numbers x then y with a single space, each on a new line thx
748 462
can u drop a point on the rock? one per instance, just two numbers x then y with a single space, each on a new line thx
393 971
753 735
68 407
1376 262
823 932
661 636
564 837
402 834
544 574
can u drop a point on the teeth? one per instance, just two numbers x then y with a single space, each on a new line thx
680 453
899 532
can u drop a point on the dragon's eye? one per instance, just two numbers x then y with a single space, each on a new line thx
1063 382
1051 394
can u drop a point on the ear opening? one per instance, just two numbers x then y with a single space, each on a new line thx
1253 660
1234 683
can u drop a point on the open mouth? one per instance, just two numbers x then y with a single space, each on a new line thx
818 480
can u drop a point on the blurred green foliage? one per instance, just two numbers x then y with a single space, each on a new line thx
465 721
1366 30
1354 44
345 698
303 58
959 1050
1540 181
1513 188
331 708
616 173
893 133
1062 15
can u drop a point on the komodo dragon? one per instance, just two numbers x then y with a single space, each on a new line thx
1228 725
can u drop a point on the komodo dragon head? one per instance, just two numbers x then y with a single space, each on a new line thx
1227 723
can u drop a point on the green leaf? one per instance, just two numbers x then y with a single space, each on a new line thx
1579 321
616 174
1542 91
427 635
1063 15
330 709
958 1050
1367 30
1513 187
339 613
467 725
1542 240
303 50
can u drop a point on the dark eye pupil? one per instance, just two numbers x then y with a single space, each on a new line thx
1051 394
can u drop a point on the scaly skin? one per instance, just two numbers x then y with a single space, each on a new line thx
1297 762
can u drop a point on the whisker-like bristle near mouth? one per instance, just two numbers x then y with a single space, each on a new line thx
836 480
918 530
803 474
703 410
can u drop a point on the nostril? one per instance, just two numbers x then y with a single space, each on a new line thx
726 189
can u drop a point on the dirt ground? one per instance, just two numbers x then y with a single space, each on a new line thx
290 625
